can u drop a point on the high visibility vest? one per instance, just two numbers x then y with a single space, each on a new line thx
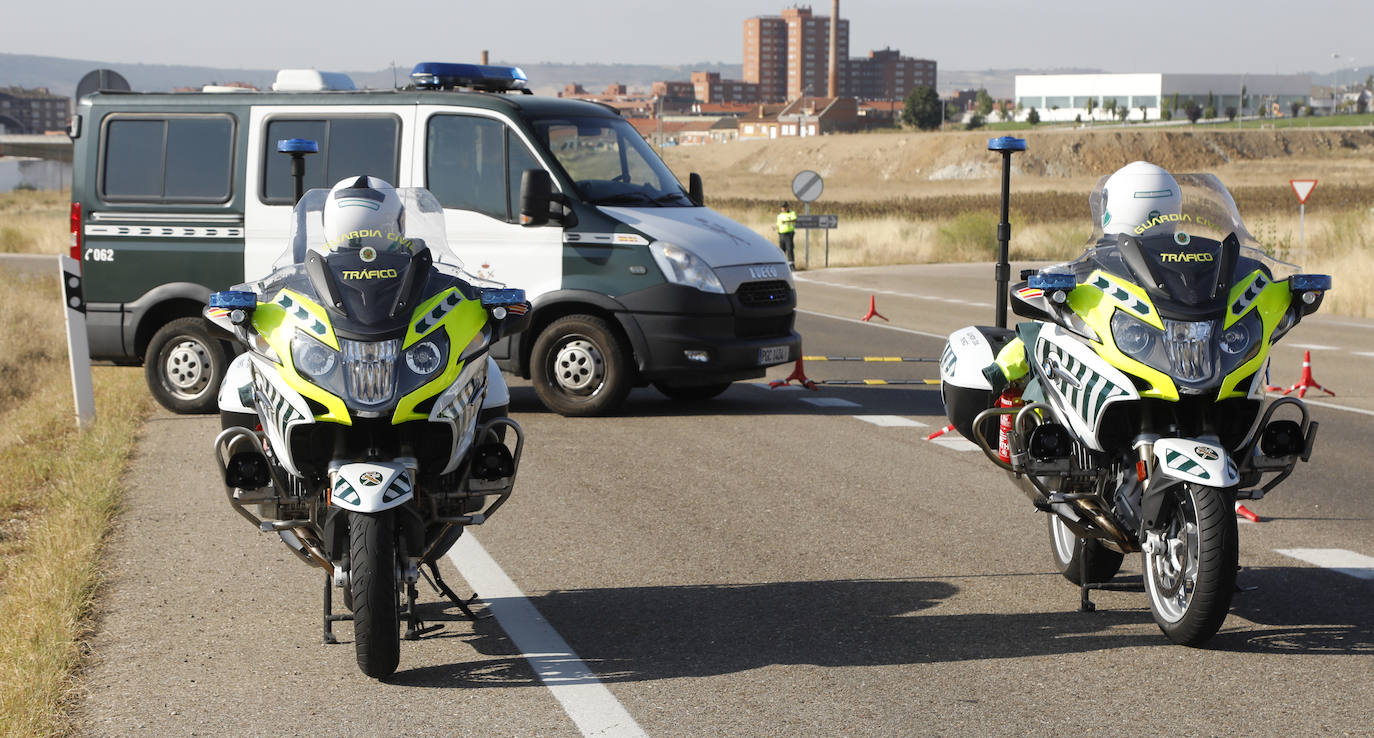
787 222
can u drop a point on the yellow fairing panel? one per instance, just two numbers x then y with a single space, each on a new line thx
462 320
1271 300
1095 301
277 323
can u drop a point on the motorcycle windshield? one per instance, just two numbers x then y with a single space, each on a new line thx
372 281
1186 259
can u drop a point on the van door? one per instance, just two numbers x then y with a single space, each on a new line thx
472 161
353 139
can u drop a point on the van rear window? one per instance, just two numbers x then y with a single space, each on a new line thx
348 147
176 159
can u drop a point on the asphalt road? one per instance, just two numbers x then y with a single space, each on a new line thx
774 562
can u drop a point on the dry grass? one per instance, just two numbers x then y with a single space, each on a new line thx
34 222
61 492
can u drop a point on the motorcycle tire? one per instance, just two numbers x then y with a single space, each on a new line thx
1190 582
184 366
376 623
580 366
1068 551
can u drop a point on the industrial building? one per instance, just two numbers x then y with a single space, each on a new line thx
1064 97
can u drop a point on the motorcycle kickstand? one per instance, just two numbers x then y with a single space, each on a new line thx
1084 604
329 617
437 582
415 627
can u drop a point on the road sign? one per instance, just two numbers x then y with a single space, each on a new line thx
1302 188
807 185
818 221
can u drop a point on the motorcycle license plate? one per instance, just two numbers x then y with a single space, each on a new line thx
772 354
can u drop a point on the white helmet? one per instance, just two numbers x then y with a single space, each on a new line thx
364 212
1134 198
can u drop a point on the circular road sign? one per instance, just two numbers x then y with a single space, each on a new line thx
807 186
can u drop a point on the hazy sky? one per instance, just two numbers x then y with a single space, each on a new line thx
1261 36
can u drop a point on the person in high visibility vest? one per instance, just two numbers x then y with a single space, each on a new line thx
787 225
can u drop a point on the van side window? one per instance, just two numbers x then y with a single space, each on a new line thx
520 160
348 147
465 163
179 159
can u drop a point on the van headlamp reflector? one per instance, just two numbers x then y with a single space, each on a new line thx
681 266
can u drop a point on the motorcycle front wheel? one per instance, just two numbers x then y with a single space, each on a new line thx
372 583
1069 551
1191 575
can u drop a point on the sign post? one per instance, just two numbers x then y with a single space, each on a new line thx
824 222
807 186
78 349
1302 188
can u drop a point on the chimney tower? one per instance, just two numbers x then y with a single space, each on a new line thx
834 90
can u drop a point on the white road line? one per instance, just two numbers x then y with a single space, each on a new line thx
895 293
891 421
1333 406
1335 559
586 700
1312 346
829 402
1363 353
941 336
956 443
779 388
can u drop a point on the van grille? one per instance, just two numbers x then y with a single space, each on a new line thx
756 294
777 325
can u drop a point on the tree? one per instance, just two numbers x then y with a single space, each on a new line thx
1144 113
1109 105
1033 116
1242 99
1173 106
1211 99
1121 112
1166 114
982 102
975 121
1209 112
922 108
1193 111
1294 107
1362 105
1230 112
1092 103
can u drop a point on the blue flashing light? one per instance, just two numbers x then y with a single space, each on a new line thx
1006 143
502 296
1309 282
484 77
1052 281
234 299
297 146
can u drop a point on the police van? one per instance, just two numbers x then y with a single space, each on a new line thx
633 280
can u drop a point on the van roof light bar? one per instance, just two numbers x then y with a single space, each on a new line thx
481 77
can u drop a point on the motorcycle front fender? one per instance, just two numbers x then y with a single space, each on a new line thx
369 487
1192 460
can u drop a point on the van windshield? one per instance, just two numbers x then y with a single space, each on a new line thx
609 162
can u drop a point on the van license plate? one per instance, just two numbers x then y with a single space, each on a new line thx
773 354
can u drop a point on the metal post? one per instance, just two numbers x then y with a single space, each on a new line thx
807 207
1301 207
1006 146
298 149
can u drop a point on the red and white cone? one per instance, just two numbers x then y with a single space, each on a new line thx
798 374
1245 512
1306 382
873 310
939 433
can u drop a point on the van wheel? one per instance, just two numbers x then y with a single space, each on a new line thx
579 366
184 366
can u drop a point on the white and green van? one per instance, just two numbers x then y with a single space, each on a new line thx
633 280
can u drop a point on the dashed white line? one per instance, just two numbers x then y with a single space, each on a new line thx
592 707
1312 346
891 421
956 443
1335 559
829 402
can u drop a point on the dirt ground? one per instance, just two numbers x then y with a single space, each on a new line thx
882 166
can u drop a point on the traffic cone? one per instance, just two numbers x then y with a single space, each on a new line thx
939 433
873 310
1306 382
1245 512
798 374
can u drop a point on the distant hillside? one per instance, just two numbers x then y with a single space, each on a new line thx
61 75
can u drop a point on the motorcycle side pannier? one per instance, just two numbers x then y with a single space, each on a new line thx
963 387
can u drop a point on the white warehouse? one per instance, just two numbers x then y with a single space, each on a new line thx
1064 97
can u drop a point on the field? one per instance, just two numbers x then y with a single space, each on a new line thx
61 487
933 197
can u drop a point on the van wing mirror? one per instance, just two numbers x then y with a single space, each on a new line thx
694 191
536 196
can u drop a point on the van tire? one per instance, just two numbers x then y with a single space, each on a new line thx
184 366
580 366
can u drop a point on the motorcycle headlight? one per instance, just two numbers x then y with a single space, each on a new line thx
681 266
1235 339
1133 337
424 358
1241 341
312 358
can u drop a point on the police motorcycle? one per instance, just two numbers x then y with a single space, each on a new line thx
1130 405
365 423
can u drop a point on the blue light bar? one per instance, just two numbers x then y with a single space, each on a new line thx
1309 282
502 296
1007 143
297 145
233 299
483 77
1052 281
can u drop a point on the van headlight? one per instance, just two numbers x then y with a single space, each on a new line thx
681 266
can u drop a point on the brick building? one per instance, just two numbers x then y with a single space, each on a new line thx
32 111
885 75
710 88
